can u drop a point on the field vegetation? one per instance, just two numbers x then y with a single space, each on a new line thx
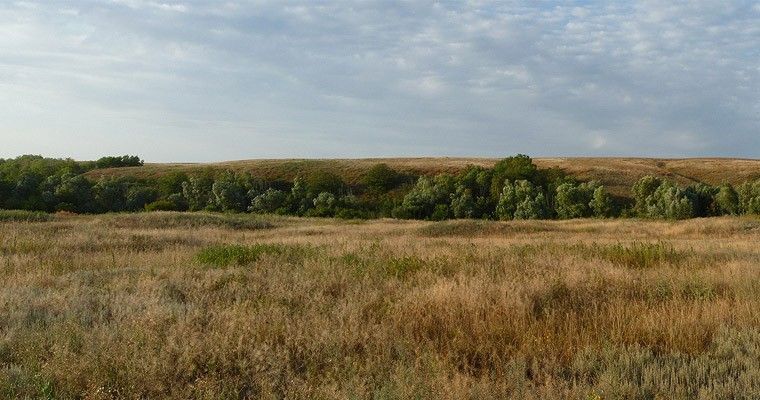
515 187
209 306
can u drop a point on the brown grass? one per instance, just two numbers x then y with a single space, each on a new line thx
133 306
618 174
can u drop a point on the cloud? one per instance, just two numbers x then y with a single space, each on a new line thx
244 79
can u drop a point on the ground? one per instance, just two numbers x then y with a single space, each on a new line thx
181 305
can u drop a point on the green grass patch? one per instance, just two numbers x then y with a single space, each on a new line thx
228 255
170 220
24 216
637 255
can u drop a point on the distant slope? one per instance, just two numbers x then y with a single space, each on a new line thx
618 174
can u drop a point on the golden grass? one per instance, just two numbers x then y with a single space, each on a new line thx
617 174
171 305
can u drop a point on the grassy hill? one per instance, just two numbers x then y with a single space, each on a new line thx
618 174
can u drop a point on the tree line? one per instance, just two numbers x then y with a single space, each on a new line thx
513 189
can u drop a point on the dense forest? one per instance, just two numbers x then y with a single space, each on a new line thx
513 189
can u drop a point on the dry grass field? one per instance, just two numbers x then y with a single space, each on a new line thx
170 305
617 174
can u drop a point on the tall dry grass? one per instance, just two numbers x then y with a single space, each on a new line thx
200 306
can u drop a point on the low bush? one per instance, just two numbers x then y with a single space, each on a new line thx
227 255
24 216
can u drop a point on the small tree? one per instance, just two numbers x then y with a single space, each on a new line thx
521 200
574 200
669 201
642 190
197 191
462 203
229 193
271 201
727 200
601 203
380 179
749 197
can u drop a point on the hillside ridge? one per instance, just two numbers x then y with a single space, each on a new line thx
617 173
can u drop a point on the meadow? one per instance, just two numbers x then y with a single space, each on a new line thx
210 306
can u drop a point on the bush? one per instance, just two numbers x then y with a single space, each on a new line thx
669 202
119 161
24 216
227 255
574 200
272 200
161 205
521 200
749 197
380 179
727 200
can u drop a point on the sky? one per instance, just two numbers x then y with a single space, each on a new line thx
207 80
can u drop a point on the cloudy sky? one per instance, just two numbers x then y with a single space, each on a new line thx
211 80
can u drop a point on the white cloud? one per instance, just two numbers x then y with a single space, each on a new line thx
326 78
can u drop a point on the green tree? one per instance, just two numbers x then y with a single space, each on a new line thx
462 203
601 203
521 200
519 167
229 192
380 179
727 200
574 200
749 197
642 190
197 191
669 201
271 201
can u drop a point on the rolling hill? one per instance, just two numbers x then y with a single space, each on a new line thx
618 174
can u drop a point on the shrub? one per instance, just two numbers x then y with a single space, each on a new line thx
727 200
574 200
226 255
270 201
24 216
670 202
380 179
119 161
601 203
161 205
229 192
749 197
521 200
642 190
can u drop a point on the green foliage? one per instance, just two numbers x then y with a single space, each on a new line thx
119 161
638 255
161 205
642 190
230 192
229 255
271 201
749 197
601 203
323 181
670 202
574 200
138 197
519 167
702 198
521 200
24 216
426 197
727 200
110 194
380 179
197 192
462 203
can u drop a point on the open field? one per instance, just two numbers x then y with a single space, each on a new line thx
170 305
617 174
